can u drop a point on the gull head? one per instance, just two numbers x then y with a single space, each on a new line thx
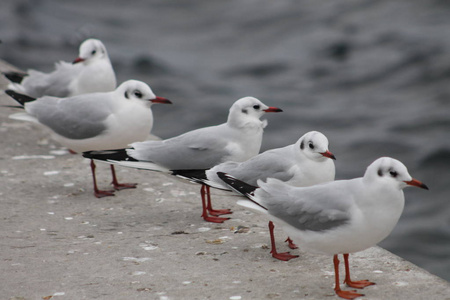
134 90
249 108
314 145
91 50
390 171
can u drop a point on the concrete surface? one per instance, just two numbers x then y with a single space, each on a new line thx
59 242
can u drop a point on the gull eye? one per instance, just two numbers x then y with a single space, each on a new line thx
138 94
256 106
93 52
311 146
393 173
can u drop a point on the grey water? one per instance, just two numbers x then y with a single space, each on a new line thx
373 76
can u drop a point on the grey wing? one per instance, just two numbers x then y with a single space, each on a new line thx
75 118
198 149
39 84
263 166
316 208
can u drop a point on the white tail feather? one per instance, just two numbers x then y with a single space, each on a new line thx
251 205
23 117
17 87
140 165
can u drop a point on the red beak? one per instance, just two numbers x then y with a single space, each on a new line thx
328 154
415 182
273 109
161 100
77 60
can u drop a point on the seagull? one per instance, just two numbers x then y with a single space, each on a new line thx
95 121
304 163
236 140
337 217
90 72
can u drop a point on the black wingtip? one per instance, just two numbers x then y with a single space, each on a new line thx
115 154
222 175
241 187
12 106
15 77
237 185
21 98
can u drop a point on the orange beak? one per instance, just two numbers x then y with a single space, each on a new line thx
77 60
273 109
415 182
161 100
328 154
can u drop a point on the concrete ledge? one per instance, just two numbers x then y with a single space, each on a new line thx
58 240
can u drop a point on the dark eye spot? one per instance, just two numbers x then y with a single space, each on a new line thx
126 95
380 173
311 146
138 94
393 173
93 52
244 111
302 145
256 106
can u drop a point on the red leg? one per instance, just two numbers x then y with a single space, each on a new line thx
354 284
291 243
120 186
212 211
205 212
285 256
337 287
98 193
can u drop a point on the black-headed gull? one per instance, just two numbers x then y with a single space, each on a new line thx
237 140
95 121
90 72
304 163
338 217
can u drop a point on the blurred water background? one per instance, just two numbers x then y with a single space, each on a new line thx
374 76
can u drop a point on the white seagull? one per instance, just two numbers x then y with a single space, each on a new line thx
237 140
95 121
90 72
304 163
338 217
